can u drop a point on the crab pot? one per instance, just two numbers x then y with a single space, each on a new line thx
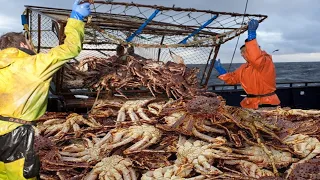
153 32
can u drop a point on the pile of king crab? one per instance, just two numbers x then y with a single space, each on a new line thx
116 74
192 138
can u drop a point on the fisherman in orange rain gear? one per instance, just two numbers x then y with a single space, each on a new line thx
257 76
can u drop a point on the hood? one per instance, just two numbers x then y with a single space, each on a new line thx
10 55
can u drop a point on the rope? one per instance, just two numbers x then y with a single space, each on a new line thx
235 49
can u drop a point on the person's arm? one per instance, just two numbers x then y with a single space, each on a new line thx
72 45
255 56
231 78
74 31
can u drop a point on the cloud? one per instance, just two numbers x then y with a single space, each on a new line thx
292 26
8 23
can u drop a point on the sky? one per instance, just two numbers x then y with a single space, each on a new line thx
292 25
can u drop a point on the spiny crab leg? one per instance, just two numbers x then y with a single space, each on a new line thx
143 115
179 121
53 121
210 129
74 148
133 116
205 137
203 166
132 107
150 89
115 145
121 115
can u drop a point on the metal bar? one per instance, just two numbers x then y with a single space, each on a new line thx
151 30
28 20
83 49
30 23
216 51
109 18
46 15
157 7
39 33
130 38
184 41
175 8
290 84
205 69
60 71
159 51
94 93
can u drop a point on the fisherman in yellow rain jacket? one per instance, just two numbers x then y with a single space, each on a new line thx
24 84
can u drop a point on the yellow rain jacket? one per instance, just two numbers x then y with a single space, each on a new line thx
25 81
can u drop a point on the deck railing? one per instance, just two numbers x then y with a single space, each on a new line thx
226 87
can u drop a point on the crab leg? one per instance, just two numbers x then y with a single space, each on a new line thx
174 95
103 140
270 155
132 174
203 136
53 121
179 122
52 129
264 129
132 114
155 89
63 131
121 115
91 122
118 136
114 173
137 145
143 115
150 89
190 124
73 148
210 129
125 171
112 146
152 141
78 154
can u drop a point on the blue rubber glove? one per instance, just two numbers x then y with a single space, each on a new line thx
80 11
252 28
219 68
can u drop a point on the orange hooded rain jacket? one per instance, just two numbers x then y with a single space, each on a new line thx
257 77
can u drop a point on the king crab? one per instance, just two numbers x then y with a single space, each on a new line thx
188 117
131 107
113 167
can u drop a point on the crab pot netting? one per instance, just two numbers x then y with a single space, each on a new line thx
113 23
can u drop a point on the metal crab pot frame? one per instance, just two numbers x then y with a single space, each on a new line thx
154 32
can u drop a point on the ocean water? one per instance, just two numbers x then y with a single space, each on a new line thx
286 72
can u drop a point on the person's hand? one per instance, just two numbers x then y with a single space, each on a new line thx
80 11
252 28
219 68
